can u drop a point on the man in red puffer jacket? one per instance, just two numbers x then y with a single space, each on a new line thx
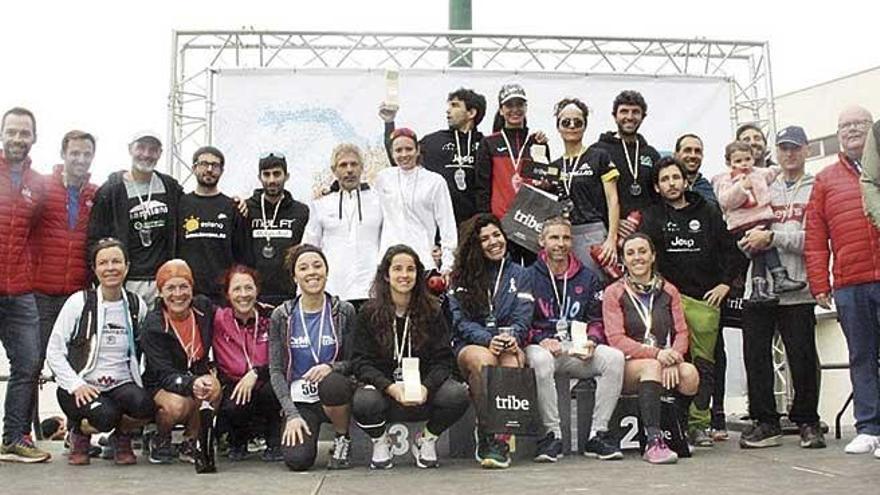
58 242
835 214
21 191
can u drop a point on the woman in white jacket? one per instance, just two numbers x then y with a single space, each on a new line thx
93 353
415 204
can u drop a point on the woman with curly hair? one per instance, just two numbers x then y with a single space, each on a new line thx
491 304
402 326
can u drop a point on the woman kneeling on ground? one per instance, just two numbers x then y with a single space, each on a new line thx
491 306
401 354
241 347
644 319
93 353
308 340
176 338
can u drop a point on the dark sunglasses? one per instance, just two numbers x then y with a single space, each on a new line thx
574 123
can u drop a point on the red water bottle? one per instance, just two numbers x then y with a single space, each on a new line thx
612 270
628 226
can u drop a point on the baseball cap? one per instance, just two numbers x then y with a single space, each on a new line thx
145 134
511 91
792 135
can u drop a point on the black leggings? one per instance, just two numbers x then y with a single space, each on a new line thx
334 390
108 408
372 409
263 407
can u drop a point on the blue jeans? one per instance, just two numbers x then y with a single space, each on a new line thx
20 336
858 308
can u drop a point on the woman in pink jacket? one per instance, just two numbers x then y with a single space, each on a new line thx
744 196
241 348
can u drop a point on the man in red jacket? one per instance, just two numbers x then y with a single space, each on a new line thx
20 196
59 239
835 214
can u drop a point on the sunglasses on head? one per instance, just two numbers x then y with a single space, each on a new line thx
272 154
570 123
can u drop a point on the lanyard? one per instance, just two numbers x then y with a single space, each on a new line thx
305 328
645 313
274 215
495 291
149 195
789 201
633 170
244 346
190 349
568 169
559 301
398 349
458 156
515 161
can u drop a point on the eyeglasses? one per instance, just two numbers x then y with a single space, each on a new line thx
856 124
574 123
209 165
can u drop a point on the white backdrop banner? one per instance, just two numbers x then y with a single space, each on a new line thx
305 113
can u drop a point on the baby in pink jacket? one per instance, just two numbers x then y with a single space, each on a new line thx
744 196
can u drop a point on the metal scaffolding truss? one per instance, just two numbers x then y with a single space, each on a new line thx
197 55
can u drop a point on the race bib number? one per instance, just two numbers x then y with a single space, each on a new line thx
303 391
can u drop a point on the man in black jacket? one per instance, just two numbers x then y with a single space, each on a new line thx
451 152
139 207
698 255
277 222
630 153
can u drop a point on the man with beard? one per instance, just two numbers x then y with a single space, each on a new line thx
21 192
630 153
754 136
59 240
451 152
698 255
139 207
211 233
689 151
836 223
346 224
276 222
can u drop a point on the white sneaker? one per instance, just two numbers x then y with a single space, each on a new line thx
424 449
862 444
381 453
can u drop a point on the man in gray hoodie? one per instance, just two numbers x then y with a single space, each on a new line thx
794 317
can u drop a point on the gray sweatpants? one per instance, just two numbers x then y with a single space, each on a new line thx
606 365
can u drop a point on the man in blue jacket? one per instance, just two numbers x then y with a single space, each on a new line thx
568 294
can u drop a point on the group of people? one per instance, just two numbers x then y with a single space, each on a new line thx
268 317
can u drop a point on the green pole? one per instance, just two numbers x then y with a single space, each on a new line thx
460 19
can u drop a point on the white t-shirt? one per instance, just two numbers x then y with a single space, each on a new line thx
112 362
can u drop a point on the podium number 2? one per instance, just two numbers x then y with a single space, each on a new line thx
631 424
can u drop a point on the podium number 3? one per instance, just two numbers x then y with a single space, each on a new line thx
399 434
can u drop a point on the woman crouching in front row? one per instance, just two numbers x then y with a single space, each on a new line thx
644 319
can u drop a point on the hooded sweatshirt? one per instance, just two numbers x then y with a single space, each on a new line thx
644 163
694 249
581 298
789 203
283 231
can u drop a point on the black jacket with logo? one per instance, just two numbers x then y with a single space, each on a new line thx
694 249
287 230
438 151
648 156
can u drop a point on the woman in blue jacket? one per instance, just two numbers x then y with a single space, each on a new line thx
491 304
